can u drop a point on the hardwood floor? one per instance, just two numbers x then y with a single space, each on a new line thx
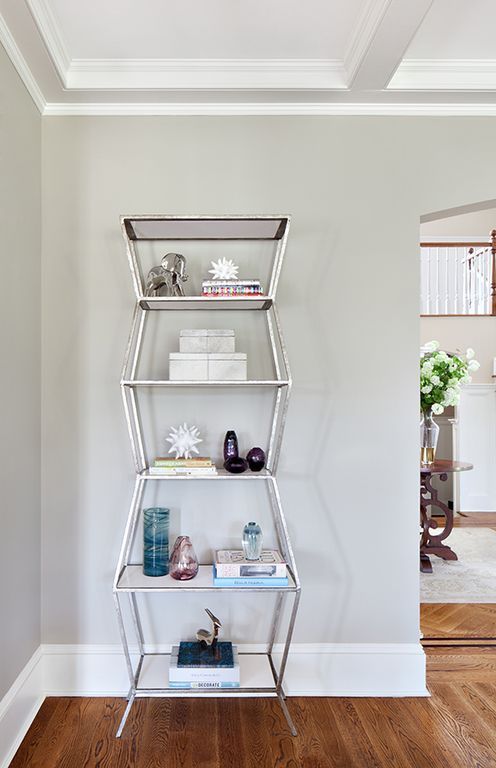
456 728
464 621
470 621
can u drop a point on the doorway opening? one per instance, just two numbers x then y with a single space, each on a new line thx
458 311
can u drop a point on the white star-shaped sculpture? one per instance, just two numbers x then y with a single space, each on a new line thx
224 269
183 440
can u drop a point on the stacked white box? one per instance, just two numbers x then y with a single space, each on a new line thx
207 355
207 340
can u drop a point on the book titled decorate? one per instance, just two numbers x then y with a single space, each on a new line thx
203 677
232 564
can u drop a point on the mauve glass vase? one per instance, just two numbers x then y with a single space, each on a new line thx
183 562
156 541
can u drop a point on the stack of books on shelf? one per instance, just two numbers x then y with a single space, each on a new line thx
231 288
192 666
231 569
200 465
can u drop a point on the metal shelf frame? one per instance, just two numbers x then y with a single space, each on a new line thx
124 587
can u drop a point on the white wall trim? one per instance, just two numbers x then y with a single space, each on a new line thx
49 30
329 669
208 74
445 75
19 62
314 669
268 108
19 706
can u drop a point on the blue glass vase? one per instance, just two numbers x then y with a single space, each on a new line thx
156 541
252 541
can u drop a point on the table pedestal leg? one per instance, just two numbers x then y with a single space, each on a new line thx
430 542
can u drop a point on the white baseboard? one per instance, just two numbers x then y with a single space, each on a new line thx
327 669
19 706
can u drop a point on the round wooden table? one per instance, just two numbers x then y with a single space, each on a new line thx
430 542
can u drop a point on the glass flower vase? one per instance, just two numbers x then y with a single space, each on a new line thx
183 562
252 541
156 541
429 435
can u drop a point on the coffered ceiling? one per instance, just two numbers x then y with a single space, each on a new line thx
257 57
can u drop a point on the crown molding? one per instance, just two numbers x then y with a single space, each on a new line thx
52 36
20 64
367 26
270 109
445 75
209 74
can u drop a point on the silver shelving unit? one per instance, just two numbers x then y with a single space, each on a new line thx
261 674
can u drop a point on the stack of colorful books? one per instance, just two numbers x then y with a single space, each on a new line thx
194 667
231 569
200 465
231 288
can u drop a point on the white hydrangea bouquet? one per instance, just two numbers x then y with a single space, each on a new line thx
441 376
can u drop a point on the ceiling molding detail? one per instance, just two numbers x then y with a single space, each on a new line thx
21 66
386 33
368 24
52 36
445 75
209 74
273 108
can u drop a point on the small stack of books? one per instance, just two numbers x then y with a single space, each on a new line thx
231 569
231 288
193 666
200 465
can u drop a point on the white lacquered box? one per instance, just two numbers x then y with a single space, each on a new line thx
188 366
191 366
227 367
208 340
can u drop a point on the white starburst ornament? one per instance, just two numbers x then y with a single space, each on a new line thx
183 440
224 269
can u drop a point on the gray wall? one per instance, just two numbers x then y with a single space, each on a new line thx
20 224
356 188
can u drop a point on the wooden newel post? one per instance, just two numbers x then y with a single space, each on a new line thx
493 272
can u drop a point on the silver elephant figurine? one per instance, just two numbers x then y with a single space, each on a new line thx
167 278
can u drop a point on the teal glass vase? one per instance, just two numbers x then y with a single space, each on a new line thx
156 541
252 541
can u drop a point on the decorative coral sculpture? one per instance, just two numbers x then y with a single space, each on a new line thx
224 269
183 440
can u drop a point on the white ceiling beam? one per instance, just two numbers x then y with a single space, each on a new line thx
381 39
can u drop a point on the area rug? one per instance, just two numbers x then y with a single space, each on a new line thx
471 578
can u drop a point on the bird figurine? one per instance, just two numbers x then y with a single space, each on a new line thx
209 638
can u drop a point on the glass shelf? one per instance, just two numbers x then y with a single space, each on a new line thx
205 227
204 302
222 474
132 579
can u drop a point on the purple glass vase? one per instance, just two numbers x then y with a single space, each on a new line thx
256 459
230 445
183 562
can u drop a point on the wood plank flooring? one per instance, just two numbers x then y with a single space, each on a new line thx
466 621
456 728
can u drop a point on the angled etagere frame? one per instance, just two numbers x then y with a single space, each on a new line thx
260 669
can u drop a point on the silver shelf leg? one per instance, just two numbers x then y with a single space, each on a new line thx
125 715
288 717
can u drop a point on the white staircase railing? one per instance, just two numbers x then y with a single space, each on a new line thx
458 278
